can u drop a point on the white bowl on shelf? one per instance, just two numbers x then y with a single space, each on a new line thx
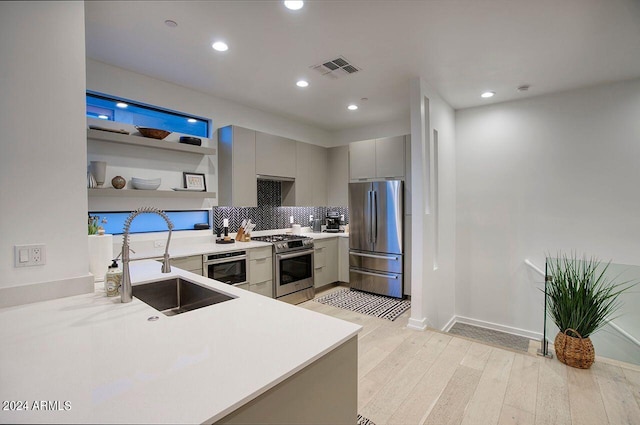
145 184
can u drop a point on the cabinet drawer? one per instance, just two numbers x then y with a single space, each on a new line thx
321 277
320 256
260 269
244 286
263 288
256 253
188 263
196 271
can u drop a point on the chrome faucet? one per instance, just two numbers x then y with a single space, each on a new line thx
127 290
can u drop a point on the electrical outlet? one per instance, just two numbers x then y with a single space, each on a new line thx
159 244
30 255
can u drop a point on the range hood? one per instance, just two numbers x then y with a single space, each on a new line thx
275 178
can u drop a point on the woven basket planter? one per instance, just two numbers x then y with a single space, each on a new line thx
574 351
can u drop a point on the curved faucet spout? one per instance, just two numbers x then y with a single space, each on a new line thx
127 290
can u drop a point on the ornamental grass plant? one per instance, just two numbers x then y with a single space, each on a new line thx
580 295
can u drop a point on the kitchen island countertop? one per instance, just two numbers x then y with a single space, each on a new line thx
92 359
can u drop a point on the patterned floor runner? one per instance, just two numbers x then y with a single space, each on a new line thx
364 421
362 302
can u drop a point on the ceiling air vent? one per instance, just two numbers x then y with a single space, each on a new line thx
336 68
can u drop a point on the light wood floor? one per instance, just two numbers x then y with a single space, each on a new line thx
412 377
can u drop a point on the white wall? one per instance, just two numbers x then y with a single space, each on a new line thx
433 241
119 82
551 173
43 196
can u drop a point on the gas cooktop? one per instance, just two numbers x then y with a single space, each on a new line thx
287 242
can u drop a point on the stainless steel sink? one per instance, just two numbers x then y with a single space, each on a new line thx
177 295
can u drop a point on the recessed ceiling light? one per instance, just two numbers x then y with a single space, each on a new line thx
121 105
352 107
302 83
220 46
293 4
103 117
192 120
488 94
170 23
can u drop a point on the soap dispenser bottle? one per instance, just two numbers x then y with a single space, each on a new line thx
113 279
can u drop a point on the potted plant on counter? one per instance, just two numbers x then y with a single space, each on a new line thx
581 298
100 248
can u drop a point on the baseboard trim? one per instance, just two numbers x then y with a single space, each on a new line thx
496 327
44 291
449 324
417 324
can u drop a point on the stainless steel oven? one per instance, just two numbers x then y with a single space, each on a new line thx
292 267
227 267
294 272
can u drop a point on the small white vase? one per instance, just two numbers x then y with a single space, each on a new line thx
99 171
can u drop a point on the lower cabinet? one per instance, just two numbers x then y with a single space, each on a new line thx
261 271
191 264
343 259
325 261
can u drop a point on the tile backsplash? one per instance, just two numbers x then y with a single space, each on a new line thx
269 214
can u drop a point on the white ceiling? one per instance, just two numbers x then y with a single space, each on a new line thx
460 48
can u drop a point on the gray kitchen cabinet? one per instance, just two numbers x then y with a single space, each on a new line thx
343 259
362 159
390 157
263 288
311 175
338 176
261 271
377 158
237 182
244 286
275 155
325 261
191 264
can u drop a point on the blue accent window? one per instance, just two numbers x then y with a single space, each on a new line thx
147 223
129 112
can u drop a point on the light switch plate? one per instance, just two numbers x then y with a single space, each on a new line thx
30 255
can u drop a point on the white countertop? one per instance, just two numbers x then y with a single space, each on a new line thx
198 245
112 365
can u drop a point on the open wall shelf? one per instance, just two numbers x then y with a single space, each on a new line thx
135 193
126 139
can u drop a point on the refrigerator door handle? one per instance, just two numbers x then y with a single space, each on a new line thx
378 257
368 217
374 217
387 276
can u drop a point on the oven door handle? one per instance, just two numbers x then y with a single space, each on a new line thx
225 260
293 255
388 276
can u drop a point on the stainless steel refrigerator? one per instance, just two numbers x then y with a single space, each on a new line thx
376 215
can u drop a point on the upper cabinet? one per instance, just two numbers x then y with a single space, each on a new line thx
275 155
338 176
377 158
362 159
311 175
237 182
